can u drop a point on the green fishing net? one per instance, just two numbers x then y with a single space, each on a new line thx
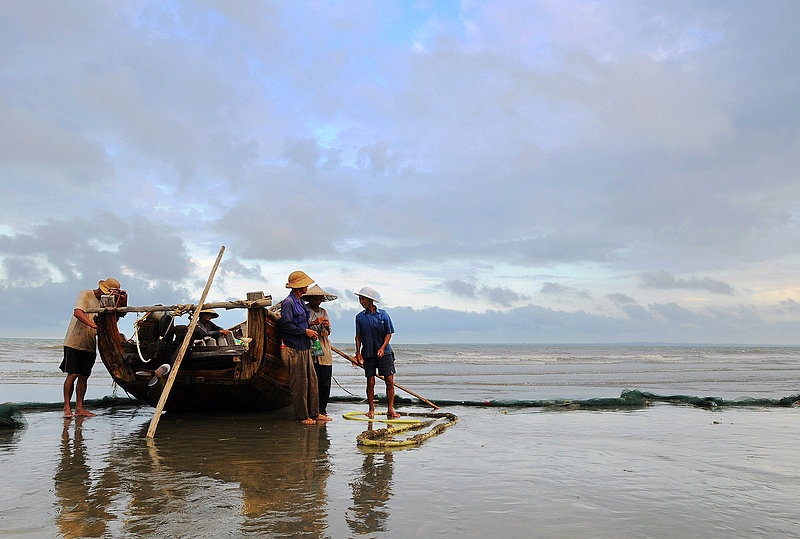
11 413
11 416
630 398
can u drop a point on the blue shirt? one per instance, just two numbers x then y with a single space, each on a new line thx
373 328
294 323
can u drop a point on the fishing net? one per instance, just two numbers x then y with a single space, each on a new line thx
11 413
630 398
108 401
11 416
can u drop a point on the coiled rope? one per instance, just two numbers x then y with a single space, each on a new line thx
382 437
136 337
179 311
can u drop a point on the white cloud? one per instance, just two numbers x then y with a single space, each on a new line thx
606 144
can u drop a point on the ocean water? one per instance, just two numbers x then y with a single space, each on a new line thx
663 470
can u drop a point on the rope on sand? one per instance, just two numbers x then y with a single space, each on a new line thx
353 416
383 437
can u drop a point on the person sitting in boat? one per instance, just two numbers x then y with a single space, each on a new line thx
207 331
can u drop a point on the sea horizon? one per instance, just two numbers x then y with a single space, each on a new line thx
543 343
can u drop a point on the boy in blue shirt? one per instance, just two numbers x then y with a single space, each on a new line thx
374 329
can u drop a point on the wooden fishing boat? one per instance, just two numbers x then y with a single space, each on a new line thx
245 373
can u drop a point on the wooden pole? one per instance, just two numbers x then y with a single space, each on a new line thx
398 386
237 304
184 345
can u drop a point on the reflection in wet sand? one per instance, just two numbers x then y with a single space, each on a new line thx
284 492
9 439
220 476
82 504
371 492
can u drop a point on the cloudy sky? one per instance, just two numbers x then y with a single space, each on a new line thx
532 171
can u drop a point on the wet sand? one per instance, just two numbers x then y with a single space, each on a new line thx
663 471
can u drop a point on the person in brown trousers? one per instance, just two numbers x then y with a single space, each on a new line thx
296 353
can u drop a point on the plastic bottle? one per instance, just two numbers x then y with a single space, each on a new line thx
316 348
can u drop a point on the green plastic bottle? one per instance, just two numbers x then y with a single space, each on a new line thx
316 348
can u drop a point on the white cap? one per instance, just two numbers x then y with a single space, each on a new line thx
370 293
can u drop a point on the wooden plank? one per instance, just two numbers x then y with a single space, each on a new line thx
238 304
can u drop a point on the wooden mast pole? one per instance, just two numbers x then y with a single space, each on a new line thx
184 345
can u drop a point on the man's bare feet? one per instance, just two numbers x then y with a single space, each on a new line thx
67 413
371 414
84 413
307 421
391 414
323 417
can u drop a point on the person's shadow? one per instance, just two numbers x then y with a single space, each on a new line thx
81 506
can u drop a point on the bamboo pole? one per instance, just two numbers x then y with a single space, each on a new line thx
398 386
184 345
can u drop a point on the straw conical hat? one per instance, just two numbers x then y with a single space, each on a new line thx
317 291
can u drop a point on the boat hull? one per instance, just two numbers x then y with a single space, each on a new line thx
221 378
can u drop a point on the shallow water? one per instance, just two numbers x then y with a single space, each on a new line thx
659 471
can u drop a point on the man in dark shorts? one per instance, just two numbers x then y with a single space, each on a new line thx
80 343
374 329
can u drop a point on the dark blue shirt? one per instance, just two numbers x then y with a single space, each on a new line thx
294 323
373 328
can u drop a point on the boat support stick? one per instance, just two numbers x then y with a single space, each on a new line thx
398 386
184 345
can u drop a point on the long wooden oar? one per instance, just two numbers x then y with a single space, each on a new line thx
398 386
184 345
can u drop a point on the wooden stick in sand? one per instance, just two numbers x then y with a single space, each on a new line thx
184 345
398 386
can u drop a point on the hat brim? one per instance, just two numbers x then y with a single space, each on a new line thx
104 288
302 283
368 297
325 297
